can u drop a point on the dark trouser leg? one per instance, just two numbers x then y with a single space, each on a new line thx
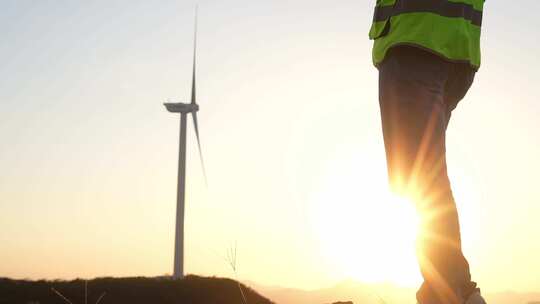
413 91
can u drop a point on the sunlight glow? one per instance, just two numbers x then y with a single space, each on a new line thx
365 232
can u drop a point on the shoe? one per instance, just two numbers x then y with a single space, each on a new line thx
475 298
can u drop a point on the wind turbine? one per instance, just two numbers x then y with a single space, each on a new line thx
184 109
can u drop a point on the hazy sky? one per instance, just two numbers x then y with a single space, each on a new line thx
291 135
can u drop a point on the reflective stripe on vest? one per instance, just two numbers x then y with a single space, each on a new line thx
443 8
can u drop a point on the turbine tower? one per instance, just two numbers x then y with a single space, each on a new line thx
184 109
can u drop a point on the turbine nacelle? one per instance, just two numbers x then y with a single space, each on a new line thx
180 107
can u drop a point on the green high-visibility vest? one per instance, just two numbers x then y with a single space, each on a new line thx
449 28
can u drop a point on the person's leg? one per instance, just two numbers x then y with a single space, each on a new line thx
412 86
459 82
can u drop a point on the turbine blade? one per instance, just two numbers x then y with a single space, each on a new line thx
196 125
193 80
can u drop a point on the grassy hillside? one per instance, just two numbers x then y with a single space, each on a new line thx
191 290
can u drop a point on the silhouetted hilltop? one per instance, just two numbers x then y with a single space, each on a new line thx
191 290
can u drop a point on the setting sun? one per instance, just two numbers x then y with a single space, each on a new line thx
365 232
